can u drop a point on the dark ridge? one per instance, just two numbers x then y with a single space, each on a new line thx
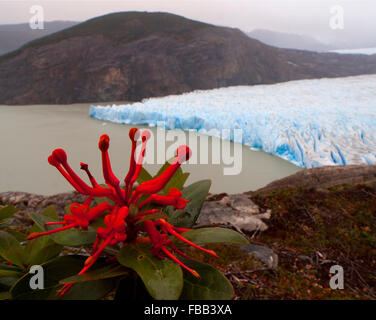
130 56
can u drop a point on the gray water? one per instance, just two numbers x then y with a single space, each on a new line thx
28 135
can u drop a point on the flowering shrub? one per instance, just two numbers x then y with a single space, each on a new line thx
138 233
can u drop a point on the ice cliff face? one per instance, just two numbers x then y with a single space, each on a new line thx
310 123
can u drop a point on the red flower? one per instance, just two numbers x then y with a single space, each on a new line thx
121 227
173 198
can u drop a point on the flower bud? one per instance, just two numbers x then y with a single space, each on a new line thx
52 161
59 155
104 142
134 134
183 154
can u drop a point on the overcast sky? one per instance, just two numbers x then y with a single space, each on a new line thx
297 16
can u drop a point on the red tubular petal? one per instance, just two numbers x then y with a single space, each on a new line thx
145 137
91 260
104 192
36 234
157 184
122 213
97 211
152 232
173 198
109 177
144 213
76 178
180 237
181 230
133 135
172 257
60 156
64 290
85 167
95 245
55 223
181 253
70 180
143 240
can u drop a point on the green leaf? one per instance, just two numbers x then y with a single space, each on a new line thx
133 210
90 290
162 278
7 212
204 236
18 235
131 288
98 223
163 168
50 212
144 176
5 295
177 181
9 281
10 249
41 250
9 271
111 271
213 285
40 220
72 237
54 271
100 200
196 193
75 237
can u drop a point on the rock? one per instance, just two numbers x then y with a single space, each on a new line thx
264 254
233 211
28 202
243 203
236 211
324 177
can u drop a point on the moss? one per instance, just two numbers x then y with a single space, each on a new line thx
330 226
228 254
310 230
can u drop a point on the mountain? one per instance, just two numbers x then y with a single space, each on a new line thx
349 38
13 36
289 40
129 56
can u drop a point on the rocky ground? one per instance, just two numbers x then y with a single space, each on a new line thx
298 228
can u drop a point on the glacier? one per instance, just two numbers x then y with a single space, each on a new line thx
310 123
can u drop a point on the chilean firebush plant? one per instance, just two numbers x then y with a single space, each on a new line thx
126 241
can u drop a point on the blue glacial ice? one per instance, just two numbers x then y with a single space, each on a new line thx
310 123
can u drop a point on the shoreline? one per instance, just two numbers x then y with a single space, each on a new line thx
316 178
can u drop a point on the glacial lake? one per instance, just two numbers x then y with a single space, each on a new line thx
28 135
